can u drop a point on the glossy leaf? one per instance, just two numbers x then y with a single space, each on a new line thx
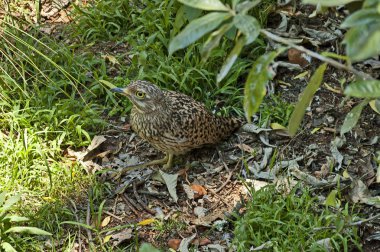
352 117
29 230
328 2
364 89
214 40
191 13
362 42
196 29
306 97
249 26
231 58
361 17
244 7
215 5
258 78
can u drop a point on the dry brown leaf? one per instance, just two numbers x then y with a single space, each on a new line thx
199 191
174 243
106 221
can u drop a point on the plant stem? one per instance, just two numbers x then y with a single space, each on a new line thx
330 61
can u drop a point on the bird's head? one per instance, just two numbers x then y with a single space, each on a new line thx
145 96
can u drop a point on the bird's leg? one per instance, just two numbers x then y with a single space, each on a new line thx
169 164
164 160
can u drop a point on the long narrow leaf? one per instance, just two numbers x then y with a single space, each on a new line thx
29 230
352 117
258 78
364 89
306 97
196 29
215 5
231 58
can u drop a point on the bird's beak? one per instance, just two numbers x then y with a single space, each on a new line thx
124 91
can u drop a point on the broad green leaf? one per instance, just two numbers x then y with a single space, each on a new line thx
8 247
364 89
14 218
361 17
9 203
331 199
370 3
196 29
234 3
191 13
180 18
215 5
375 105
248 25
214 40
231 58
306 97
328 2
244 7
352 117
258 77
147 247
363 41
28 230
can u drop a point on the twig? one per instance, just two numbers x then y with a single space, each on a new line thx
130 205
152 193
357 223
112 215
228 178
330 61
138 198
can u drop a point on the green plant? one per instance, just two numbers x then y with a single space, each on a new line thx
9 232
293 222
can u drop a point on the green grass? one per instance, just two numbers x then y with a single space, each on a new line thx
291 222
52 99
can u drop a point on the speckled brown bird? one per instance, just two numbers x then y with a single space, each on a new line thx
172 122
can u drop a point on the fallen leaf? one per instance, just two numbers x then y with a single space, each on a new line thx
245 148
106 221
174 243
200 211
199 191
120 237
298 57
184 245
201 242
171 183
146 222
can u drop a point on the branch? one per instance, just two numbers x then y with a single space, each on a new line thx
357 223
330 61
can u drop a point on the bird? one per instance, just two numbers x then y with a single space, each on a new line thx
173 122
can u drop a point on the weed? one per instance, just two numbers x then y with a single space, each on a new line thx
275 110
292 222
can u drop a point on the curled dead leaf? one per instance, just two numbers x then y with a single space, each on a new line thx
174 243
201 241
199 191
297 57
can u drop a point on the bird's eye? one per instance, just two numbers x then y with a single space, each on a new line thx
140 94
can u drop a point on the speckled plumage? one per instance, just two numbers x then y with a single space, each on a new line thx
173 122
